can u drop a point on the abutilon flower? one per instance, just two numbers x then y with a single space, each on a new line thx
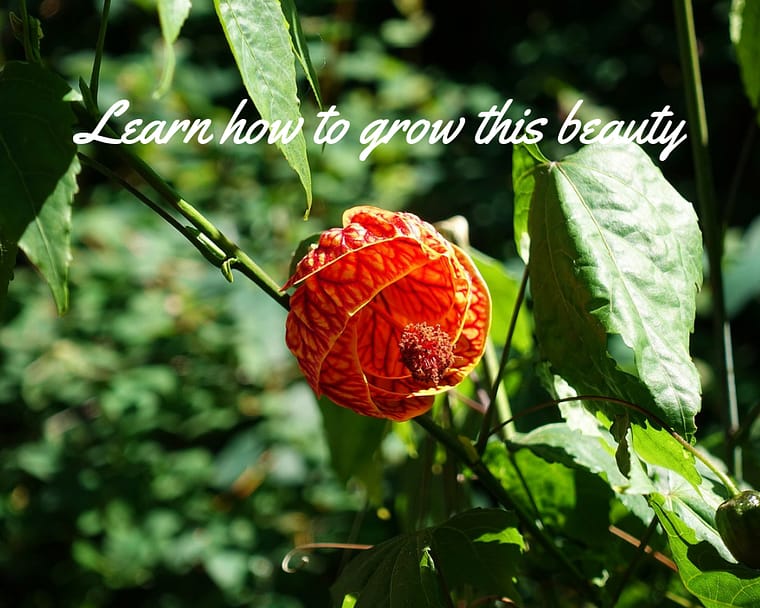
386 314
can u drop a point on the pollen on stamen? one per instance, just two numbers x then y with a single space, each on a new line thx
426 351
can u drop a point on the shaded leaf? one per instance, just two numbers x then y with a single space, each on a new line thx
257 33
614 249
554 492
504 289
480 547
354 442
8 249
745 34
717 582
557 442
38 168
431 585
741 281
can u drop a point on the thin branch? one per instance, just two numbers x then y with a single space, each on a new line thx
643 545
712 225
488 418
99 45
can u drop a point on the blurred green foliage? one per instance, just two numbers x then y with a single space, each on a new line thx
158 446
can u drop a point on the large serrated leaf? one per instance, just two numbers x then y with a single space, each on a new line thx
717 582
480 547
257 33
615 250
745 34
38 168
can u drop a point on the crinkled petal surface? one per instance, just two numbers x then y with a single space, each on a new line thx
357 290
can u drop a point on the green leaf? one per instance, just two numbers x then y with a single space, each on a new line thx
525 159
741 281
38 168
431 585
717 582
695 507
557 442
171 14
301 48
567 500
354 442
257 33
614 249
745 34
658 447
480 548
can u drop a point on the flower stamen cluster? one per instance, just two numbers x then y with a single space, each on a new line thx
426 351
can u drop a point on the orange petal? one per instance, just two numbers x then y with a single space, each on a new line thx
358 289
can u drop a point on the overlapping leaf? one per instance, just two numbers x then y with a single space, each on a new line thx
257 32
354 442
300 48
718 583
614 250
745 34
38 168
480 548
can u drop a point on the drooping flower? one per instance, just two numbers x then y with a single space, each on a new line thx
386 314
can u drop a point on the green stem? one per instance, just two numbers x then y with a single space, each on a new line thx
214 256
25 32
95 77
233 255
488 417
712 226
467 455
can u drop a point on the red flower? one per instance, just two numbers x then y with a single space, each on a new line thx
386 313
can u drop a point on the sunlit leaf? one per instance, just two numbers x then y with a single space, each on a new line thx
257 32
718 583
614 249
694 506
559 443
658 447
301 48
171 14
38 168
